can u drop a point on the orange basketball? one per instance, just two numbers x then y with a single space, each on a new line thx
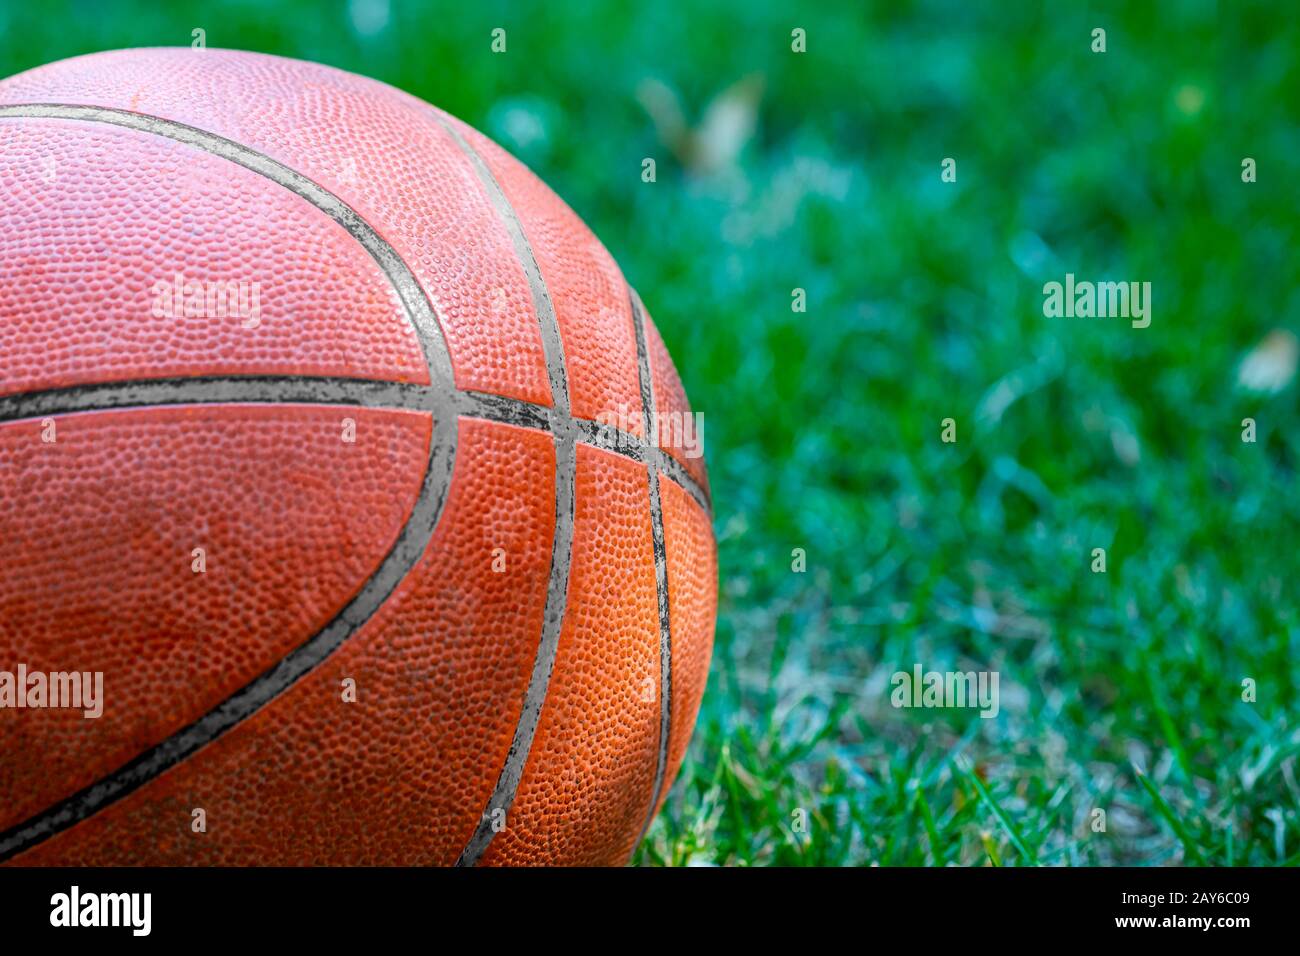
341 471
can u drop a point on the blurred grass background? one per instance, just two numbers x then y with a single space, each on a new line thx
1120 691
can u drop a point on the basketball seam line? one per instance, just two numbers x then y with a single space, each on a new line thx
409 546
512 770
327 390
661 567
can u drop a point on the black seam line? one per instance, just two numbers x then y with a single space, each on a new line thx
325 390
562 426
676 471
408 548
661 568
204 390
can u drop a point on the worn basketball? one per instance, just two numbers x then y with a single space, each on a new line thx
351 508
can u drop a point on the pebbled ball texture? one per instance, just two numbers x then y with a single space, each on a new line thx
126 210
598 715
395 746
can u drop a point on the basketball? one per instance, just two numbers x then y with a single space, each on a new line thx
353 509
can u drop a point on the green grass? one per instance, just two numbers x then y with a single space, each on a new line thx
1120 691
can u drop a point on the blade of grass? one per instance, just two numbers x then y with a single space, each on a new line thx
1016 839
1166 811
927 817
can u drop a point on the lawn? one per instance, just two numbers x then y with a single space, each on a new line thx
1120 691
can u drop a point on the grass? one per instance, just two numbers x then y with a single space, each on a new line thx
1120 692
